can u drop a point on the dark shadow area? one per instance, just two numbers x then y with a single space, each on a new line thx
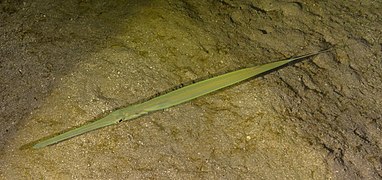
41 41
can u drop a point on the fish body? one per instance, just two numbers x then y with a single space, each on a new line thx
173 98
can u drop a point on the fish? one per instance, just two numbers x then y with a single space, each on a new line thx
176 97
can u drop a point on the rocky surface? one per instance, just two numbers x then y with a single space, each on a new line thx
65 63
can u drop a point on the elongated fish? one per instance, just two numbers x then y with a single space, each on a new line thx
173 98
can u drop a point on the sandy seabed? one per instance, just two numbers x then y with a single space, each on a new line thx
65 63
